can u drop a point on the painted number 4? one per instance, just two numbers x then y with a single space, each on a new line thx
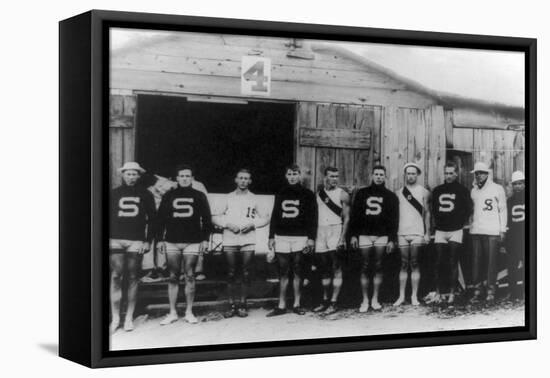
257 75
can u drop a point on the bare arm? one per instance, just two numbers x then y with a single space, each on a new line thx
427 215
345 217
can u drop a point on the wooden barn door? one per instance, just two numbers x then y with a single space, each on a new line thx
344 136
122 111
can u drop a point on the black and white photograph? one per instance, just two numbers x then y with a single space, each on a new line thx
275 188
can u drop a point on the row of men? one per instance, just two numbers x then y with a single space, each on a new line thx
376 221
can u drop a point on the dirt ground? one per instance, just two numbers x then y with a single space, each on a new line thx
214 329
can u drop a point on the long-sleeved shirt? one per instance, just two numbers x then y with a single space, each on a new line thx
490 214
451 206
516 215
240 209
375 211
184 216
132 213
294 213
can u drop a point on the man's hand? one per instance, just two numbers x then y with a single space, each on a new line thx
354 242
249 227
427 238
145 247
271 244
502 234
270 256
341 245
203 246
310 246
233 228
389 247
161 247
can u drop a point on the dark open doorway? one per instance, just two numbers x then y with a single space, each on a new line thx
216 139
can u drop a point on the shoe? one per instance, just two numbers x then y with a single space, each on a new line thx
191 319
398 302
276 312
322 307
169 319
364 307
200 276
231 312
331 309
298 310
242 312
490 299
414 301
272 280
476 297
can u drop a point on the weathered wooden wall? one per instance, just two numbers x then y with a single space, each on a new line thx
209 64
122 113
413 135
354 161
502 150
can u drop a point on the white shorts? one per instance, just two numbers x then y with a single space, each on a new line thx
184 248
287 244
240 248
407 240
366 241
232 239
125 245
327 238
443 237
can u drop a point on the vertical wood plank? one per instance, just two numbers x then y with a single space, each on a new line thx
324 157
305 156
402 143
365 119
449 128
128 143
389 146
375 149
519 151
498 157
115 154
416 137
436 145
345 119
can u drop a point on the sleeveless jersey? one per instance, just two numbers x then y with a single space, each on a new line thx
411 221
327 217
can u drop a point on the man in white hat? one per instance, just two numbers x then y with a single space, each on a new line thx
413 231
132 213
487 230
515 237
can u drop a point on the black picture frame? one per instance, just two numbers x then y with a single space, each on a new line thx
83 110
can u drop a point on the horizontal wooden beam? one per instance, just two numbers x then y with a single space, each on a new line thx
471 118
121 121
139 80
336 138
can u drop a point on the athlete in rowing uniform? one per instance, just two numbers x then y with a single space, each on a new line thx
291 234
239 219
132 216
451 210
413 231
333 205
515 237
374 220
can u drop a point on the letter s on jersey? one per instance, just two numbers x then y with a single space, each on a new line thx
290 208
182 207
446 202
518 213
374 205
128 206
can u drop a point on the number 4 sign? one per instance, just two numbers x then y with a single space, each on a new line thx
256 76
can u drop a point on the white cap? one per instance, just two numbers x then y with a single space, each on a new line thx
518 176
412 165
131 165
480 167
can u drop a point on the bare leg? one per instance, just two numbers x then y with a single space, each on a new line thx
365 271
439 252
415 273
133 266
190 262
403 274
247 256
297 281
173 261
377 280
117 267
284 270
454 249
338 277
